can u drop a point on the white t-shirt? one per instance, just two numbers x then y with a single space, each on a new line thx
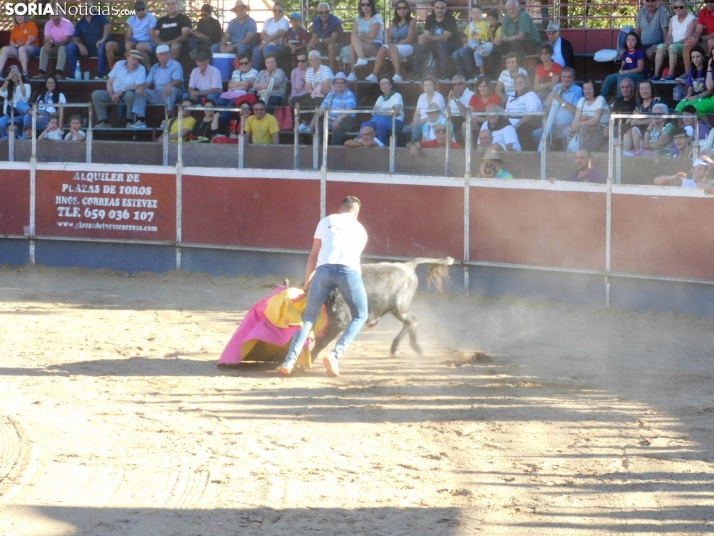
422 104
464 99
588 111
679 29
390 103
504 136
72 137
271 27
54 135
530 102
343 239
507 80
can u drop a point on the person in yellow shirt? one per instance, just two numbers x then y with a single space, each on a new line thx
261 127
187 124
477 46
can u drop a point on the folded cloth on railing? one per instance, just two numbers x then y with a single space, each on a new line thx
268 328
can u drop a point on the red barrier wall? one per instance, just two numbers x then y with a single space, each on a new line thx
538 227
106 204
268 213
14 201
667 236
405 220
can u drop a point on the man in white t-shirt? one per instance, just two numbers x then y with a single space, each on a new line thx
334 263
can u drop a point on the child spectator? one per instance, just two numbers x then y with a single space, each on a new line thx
477 46
26 134
52 132
75 134
633 65
296 37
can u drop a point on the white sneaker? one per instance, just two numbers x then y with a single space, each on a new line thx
304 129
372 78
163 125
332 365
138 124
352 77
397 79
360 62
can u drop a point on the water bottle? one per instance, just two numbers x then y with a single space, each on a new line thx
678 93
77 72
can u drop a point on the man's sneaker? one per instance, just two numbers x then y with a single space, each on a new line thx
138 124
669 78
304 129
397 79
59 75
331 364
352 77
360 62
39 76
102 124
284 370
372 78
655 77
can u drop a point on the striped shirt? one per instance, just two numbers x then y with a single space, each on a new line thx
323 73
344 101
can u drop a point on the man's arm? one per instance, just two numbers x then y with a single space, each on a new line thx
105 34
312 263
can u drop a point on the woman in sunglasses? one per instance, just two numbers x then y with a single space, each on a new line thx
367 36
274 28
681 27
401 35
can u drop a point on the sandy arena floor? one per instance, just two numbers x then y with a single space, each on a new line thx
114 419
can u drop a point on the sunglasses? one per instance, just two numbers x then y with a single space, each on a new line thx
678 7
301 61
243 62
139 9
323 12
402 8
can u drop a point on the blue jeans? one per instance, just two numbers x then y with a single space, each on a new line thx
327 278
384 126
616 78
73 55
442 50
464 60
20 110
269 49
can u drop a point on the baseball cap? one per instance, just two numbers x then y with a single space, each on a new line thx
553 27
162 48
700 162
296 16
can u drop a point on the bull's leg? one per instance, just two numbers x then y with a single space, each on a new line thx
409 322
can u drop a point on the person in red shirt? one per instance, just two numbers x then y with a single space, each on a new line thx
438 143
547 74
704 31
478 102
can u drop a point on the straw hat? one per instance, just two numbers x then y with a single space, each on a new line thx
239 3
492 154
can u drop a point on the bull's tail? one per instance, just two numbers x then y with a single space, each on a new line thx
438 271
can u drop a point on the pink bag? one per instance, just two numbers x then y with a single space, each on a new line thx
284 115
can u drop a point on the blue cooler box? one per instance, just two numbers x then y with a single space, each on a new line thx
224 63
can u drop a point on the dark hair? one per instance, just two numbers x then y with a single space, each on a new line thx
11 85
480 80
592 83
383 76
245 56
351 202
699 49
547 47
679 131
396 18
55 117
689 109
652 87
511 55
76 117
207 7
270 55
256 103
42 91
638 43
210 101
373 9
301 52
496 14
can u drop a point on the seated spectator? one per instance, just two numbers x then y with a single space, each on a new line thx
274 28
241 82
298 85
208 32
440 38
326 33
399 40
625 104
26 134
187 124
439 142
562 48
584 170
337 104
647 101
519 33
492 166
75 129
205 81
504 86
681 27
166 77
16 92
547 73
485 141
682 144
209 126
525 100
429 96
52 130
366 139
173 30
479 101
91 34
48 94
655 138
318 83
503 132
387 101
367 36
478 36
705 102
562 101
651 25
296 37
57 35
458 101
124 79
696 80
633 65
240 32
236 125
137 36
261 127
434 117
698 175
689 124
23 43
271 84
703 32
591 119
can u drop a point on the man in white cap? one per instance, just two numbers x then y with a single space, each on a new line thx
338 100
698 174
173 30
240 32
126 76
164 84
137 35
562 48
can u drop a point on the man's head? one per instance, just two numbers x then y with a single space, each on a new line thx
245 62
314 58
132 59
206 11
340 83
691 115
700 170
491 162
163 53
439 8
652 5
323 11
140 9
440 134
567 77
627 88
366 133
301 59
56 16
433 112
513 7
709 5
681 139
459 83
552 32
259 109
582 159
485 138
241 10
172 7
350 204
512 62
202 61
491 111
